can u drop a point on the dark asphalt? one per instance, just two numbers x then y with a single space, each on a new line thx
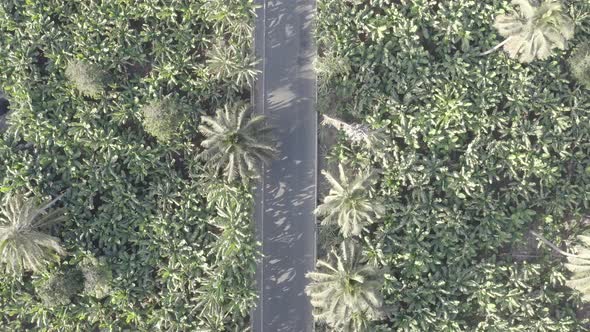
286 198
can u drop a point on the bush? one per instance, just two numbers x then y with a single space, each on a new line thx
97 277
580 64
59 288
87 78
162 119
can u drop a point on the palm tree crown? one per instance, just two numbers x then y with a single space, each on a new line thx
22 245
345 291
348 205
534 31
236 142
579 265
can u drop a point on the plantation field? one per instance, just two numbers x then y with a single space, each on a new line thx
453 158
106 98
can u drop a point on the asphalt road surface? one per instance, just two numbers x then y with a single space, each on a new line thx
286 198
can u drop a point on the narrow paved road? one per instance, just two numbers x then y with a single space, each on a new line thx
286 226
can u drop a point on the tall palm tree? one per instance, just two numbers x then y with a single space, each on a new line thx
236 142
578 264
345 291
534 30
22 245
348 204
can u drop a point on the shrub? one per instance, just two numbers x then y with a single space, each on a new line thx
59 288
580 64
162 119
97 277
88 78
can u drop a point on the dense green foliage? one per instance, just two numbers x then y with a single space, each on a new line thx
479 150
143 204
59 288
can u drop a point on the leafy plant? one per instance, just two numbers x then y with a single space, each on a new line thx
162 119
534 30
236 142
348 204
88 78
580 64
23 246
345 290
227 62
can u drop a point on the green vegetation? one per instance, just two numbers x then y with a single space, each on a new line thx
59 288
478 152
105 103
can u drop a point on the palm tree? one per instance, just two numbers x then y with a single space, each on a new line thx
534 31
22 245
578 264
236 142
345 291
348 204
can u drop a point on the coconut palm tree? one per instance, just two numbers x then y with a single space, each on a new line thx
578 264
345 290
22 245
534 30
236 142
348 204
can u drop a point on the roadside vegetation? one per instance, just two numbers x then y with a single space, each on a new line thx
125 165
475 215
